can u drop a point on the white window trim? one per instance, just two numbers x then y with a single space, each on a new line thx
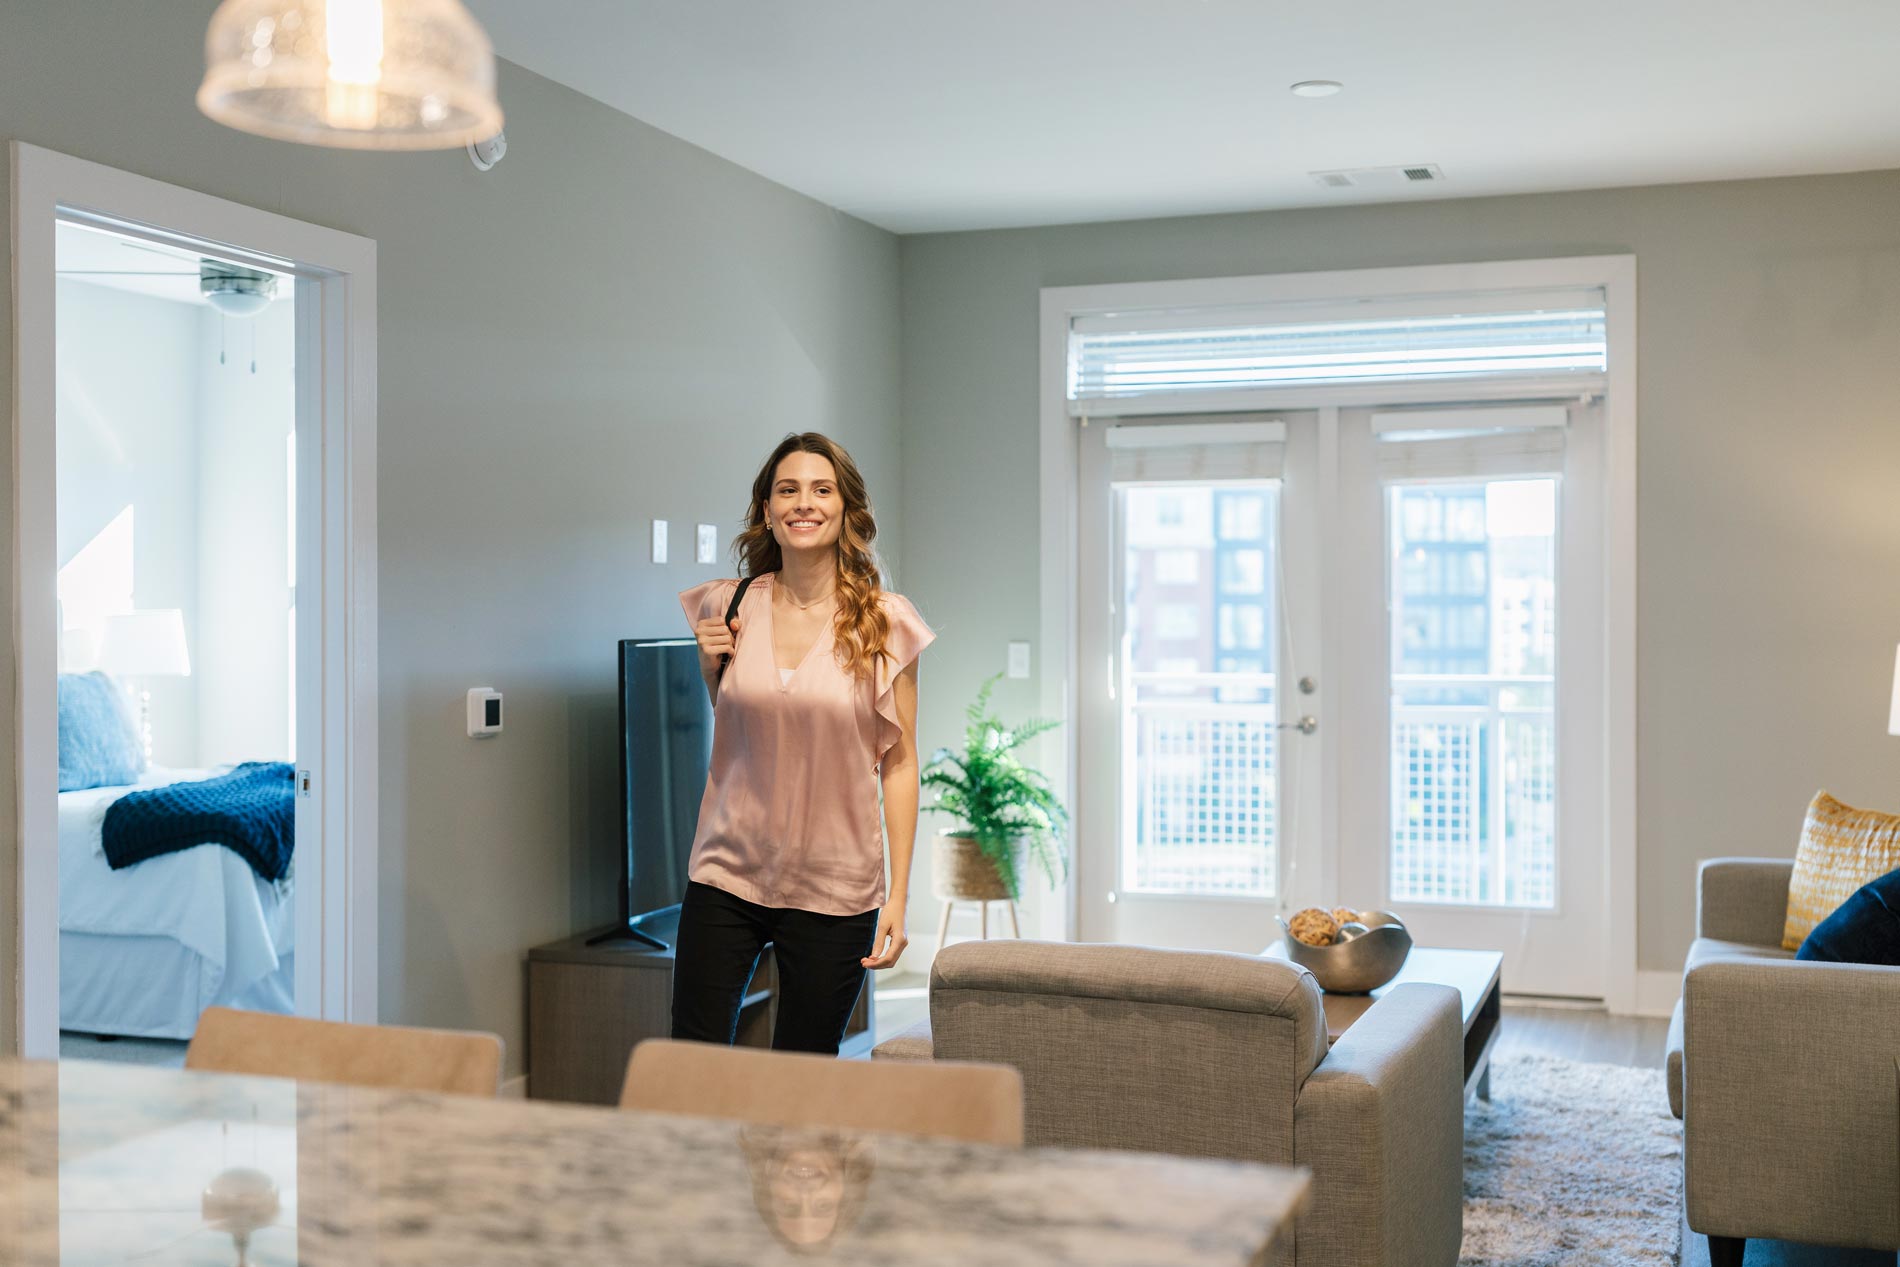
336 314
1615 274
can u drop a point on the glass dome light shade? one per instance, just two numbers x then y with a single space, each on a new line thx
353 74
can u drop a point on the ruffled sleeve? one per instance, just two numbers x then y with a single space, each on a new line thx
708 601
909 635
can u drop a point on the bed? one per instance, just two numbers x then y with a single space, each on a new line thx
144 950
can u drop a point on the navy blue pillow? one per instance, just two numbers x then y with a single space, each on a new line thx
1863 929
99 743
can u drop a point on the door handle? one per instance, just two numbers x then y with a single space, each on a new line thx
1305 725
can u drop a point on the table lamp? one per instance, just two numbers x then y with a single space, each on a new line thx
145 644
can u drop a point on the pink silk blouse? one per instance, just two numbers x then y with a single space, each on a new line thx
790 817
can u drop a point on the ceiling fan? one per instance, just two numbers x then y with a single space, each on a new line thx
232 289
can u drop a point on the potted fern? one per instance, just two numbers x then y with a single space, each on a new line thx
1005 812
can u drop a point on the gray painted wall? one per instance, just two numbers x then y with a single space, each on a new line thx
610 326
1769 528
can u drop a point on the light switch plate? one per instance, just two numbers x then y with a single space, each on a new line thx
1019 659
659 540
708 543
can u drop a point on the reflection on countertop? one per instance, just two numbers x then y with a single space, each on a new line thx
103 1163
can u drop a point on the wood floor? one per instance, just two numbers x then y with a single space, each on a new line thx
1578 1033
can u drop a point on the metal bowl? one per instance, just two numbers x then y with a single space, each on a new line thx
1362 964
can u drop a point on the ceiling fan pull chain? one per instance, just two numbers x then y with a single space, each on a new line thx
220 338
253 345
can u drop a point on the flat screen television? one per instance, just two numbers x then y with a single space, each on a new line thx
666 727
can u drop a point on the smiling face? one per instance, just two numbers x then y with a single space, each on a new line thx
805 510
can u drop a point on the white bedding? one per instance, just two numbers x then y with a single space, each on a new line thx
236 927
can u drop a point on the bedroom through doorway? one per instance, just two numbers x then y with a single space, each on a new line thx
176 600
194 513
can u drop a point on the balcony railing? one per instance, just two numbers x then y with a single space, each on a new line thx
1200 781
1473 791
1473 805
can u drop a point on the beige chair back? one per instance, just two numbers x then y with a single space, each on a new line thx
978 1103
388 1056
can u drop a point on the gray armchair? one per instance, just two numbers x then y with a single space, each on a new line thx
1784 1074
1218 1055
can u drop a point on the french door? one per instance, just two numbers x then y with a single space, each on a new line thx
1345 657
1198 588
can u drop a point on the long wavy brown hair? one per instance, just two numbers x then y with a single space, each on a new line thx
860 627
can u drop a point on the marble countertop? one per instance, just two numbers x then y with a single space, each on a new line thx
105 1163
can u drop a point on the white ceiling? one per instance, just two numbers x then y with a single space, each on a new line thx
983 113
106 259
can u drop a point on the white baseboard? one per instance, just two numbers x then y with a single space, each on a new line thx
514 1088
1657 992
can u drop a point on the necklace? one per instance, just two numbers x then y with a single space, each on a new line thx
804 607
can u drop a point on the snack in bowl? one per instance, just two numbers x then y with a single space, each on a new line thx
1345 915
1314 927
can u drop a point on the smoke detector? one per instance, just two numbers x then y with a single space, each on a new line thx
236 291
485 154
1380 177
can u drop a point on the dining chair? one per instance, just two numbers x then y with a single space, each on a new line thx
947 1099
393 1057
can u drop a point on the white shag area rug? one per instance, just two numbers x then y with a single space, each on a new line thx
1574 1164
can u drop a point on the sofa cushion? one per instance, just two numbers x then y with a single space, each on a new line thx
1707 949
1865 929
911 1043
1841 849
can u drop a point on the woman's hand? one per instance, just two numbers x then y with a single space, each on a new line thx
714 640
890 929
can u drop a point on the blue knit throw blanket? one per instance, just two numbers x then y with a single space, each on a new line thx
250 810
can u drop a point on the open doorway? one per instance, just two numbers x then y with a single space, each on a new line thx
194 494
176 603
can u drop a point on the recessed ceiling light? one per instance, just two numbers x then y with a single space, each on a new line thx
1317 87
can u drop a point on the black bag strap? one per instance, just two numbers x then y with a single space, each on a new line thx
732 613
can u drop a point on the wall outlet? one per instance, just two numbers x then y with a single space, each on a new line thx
708 544
1019 659
659 540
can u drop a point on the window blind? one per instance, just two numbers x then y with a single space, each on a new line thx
1453 444
1120 356
1170 452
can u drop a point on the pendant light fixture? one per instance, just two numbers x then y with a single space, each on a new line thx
355 74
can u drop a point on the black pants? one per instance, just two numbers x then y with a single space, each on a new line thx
819 973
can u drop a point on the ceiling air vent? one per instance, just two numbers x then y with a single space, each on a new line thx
1380 177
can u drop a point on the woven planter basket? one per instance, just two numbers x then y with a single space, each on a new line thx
961 873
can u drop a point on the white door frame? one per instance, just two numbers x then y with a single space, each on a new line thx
336 414
1615 274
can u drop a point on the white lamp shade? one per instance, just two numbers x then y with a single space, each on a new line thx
354 74
145 644
1893 718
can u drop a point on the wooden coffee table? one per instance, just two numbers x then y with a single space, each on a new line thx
1473 973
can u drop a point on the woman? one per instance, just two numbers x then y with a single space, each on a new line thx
814 689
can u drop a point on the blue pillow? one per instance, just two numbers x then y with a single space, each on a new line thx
99 743
1863 929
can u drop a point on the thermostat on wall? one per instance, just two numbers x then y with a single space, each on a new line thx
484 712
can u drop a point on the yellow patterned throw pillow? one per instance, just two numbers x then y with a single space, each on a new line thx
1841 849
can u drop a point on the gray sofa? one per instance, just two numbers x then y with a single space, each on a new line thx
1218 1055
1786 1074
